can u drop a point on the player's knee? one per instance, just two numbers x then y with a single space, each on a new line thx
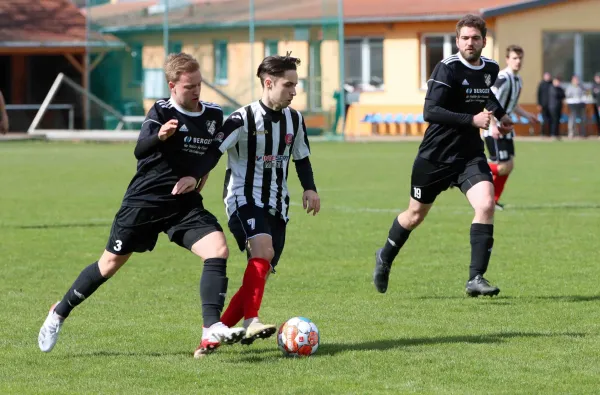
505 168
262 247
221 251
266 253
485 207
110 263
414 218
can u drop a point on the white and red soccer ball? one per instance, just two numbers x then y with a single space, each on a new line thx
298 337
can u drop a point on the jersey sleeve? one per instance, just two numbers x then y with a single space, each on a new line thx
148 140
439 84
229 134
494 104
301 148
439 90
500 88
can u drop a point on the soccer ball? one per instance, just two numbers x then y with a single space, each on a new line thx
297 337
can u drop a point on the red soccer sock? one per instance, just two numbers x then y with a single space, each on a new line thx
494 168
235 311
499 182
254 282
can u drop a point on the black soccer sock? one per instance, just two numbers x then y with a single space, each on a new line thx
482 240
213 289
85 285
396 239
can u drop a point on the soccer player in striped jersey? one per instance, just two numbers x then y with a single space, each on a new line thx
458 103
501 148
163 196
260 139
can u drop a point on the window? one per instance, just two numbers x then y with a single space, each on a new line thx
220 49
175 46
569 53
155 85
364 62
271 47
137 69
435 47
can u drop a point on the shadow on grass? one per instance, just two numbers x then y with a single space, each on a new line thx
382 345
136 354
59 226
330 349
512 300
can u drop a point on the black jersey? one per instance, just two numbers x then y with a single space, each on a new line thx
162 163
456 92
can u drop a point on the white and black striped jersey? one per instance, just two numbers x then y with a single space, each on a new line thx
259 144
162 163
507 89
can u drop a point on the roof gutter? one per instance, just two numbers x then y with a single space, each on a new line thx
217 25
405 18
60 44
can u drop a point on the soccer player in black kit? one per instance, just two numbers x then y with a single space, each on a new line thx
459 102
163 196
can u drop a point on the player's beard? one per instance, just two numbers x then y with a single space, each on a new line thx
471 57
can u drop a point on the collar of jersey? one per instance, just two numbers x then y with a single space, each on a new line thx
188 113
469 65
272 114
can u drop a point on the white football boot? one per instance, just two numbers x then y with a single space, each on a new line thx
257 330
49 331
215 335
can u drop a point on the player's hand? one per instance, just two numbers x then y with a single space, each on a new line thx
532 118
167 129
311 202
482 120
185 185
506 125
495 132
202 182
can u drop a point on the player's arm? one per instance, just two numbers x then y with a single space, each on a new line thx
226 137
494 106
301 156
520 111
439 90
154 131
3 115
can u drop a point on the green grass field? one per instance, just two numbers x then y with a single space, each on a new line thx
138 332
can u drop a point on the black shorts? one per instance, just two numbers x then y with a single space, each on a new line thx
429 179
249 221
136 229
500 150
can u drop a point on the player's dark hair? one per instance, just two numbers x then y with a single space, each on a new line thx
514 48
276 66
474 21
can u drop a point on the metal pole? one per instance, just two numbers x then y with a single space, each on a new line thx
166 28
86 66
251 38
342 64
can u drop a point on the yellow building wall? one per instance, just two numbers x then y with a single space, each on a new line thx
526 29
402 92
241 72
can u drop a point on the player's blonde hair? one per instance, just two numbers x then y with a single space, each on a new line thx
179 63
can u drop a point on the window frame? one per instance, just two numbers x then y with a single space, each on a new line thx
447 51
365 59
221 75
